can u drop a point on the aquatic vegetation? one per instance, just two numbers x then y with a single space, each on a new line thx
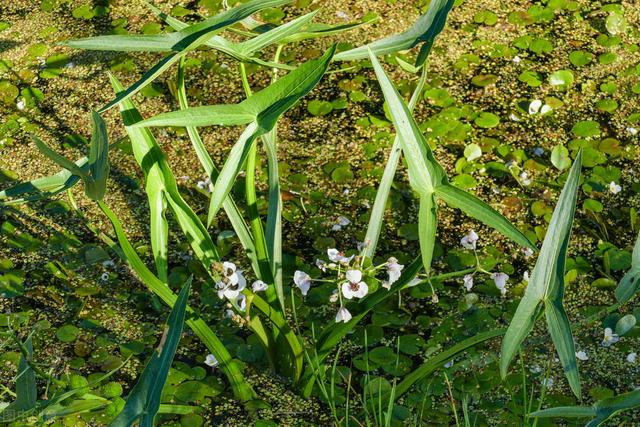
396 323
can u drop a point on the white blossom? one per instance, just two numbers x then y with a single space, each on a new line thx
632 131
500 280
302 281
232 284
21 104
335 295
582 355
343 315
322 265
337 256
341 222
614 188
241 302
632 357
211 360
525 276
469 241
609 338
394 270
528 252
524 178
259 286
104 277
468 282
354 287
414 282
517 59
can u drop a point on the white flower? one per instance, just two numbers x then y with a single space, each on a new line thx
241 302
468 282
525 276
343 315
321 265
104 277
500 279
228 313
342 15
609 338
614 188
365 244
334 296
469 241
517 59
547 382
632 357
448 364
513 117
524 177
527 252
341 222
355 287
205 185
632 131
211 360
535 369
108 263
337 256
534 107
233 282
302 281
21 104
394 270
259 286
582 355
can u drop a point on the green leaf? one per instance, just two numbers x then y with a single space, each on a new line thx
425 173
560 157
602 410
479 210
242 390
546 286
426 28
442 358
98 159
144 400
229 206
382 195
59 159
42 188
427 225
630 283
159 177
26 391
179 43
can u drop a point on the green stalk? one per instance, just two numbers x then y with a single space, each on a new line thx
241 389
252 207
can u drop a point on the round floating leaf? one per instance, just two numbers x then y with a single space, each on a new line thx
472 152
531 78
616 23
586 129
560 157
487 120
561 78
580 58
483 80
625 324
67 333
342 175
607 105
319 108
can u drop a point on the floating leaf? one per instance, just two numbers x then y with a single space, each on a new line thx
560 157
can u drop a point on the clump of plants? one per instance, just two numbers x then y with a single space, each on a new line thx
262 300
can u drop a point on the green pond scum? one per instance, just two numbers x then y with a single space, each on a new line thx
319 213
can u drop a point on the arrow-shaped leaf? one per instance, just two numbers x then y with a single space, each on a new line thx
426 28
546 286
602 410
26 391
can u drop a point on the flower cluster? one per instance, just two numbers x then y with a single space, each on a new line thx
470 241
232 284
350 278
